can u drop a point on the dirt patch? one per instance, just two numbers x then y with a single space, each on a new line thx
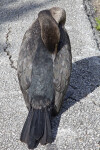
92 8
96 6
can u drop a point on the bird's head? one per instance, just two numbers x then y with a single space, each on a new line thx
59 15
49 22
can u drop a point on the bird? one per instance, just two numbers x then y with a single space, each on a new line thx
44 69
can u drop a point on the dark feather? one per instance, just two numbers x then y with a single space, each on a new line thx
40 124
37 126
47 136
26 128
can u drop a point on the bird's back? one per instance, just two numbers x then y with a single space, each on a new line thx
42 75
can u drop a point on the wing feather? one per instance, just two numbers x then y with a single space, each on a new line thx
62 68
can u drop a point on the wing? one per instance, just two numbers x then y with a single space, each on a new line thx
25 63
26 56
24 66
62 69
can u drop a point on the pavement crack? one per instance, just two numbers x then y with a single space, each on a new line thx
7 51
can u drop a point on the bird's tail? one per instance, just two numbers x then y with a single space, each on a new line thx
37 128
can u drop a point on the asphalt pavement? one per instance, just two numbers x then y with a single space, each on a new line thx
77 127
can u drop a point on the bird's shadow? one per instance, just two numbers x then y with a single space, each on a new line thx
85 78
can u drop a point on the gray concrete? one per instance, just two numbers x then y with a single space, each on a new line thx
77 127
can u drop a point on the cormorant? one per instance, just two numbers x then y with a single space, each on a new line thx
44 68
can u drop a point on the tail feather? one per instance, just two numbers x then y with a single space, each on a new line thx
47 136
37 128
26 128
39 124
31 140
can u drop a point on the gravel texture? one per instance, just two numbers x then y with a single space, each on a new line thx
77 127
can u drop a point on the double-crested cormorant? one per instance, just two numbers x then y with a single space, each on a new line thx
44 67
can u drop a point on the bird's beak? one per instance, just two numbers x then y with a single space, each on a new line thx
55 53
